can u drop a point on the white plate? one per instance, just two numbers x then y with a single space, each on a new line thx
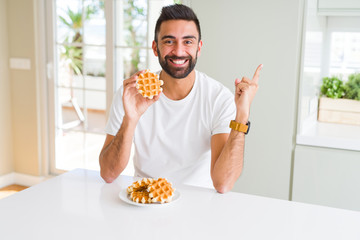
123 195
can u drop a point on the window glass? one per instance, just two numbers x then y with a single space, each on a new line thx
344 53
131 19
80 89
312 54
95 24
134 32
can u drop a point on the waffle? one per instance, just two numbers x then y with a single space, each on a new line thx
149 190
140 185
149 85
140 196
161 191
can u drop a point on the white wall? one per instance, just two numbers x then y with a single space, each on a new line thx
327 177
238 35
6 164
24 92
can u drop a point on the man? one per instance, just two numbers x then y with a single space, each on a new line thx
183 133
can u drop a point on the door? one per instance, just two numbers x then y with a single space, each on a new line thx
92 45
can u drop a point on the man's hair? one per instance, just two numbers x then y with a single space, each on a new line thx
176 12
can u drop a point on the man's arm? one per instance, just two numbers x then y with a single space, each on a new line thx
115 154
116 150
227 150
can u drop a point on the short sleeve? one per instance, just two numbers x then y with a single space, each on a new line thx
116 114
224 111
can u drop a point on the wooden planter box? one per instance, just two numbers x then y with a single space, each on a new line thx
344 111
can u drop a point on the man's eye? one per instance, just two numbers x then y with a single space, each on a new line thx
187 42
169 42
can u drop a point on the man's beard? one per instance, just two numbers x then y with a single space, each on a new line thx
175 72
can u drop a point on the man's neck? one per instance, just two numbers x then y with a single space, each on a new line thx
177 89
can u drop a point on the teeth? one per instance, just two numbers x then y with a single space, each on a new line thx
179 61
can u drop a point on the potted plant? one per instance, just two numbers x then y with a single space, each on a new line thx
352 87
339 102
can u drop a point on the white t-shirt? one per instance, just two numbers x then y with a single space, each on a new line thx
172 138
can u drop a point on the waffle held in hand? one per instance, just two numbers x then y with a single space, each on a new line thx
149 190
148 84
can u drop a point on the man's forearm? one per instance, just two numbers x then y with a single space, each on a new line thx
228 166
115 156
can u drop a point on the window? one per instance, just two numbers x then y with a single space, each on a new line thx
80 85
93 45
344 53
331 46
313 51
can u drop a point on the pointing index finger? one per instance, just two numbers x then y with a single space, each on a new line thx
257 73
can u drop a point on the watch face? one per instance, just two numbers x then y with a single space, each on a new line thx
248 124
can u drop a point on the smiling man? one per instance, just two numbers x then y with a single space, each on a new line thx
182 134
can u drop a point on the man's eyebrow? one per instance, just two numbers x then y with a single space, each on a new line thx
172 37
189 36
167 36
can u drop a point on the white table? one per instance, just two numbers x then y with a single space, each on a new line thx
79 205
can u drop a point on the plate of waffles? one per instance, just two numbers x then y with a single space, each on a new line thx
149 192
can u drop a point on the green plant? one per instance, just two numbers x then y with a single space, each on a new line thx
352 87
73 55
332 87
72 52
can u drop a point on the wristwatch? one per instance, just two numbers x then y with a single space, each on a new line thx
240 127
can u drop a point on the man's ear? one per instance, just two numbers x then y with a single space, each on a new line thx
154 47
199 47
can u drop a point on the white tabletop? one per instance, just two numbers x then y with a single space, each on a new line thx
80 205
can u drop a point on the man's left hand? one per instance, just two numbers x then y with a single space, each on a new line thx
245 90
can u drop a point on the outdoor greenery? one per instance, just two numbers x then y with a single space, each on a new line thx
334 87
72 51
134 16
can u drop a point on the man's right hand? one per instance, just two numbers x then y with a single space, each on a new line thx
134 103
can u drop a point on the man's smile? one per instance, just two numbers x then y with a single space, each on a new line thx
178 63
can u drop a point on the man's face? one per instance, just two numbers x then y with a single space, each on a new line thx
178 47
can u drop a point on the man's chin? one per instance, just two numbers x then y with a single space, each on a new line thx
179 74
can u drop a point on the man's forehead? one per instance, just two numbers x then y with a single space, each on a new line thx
178 29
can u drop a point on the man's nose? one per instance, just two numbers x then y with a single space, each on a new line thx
178 50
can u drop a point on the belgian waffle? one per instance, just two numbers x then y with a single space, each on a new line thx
149 190
161 191
148 84
140 185
140 196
